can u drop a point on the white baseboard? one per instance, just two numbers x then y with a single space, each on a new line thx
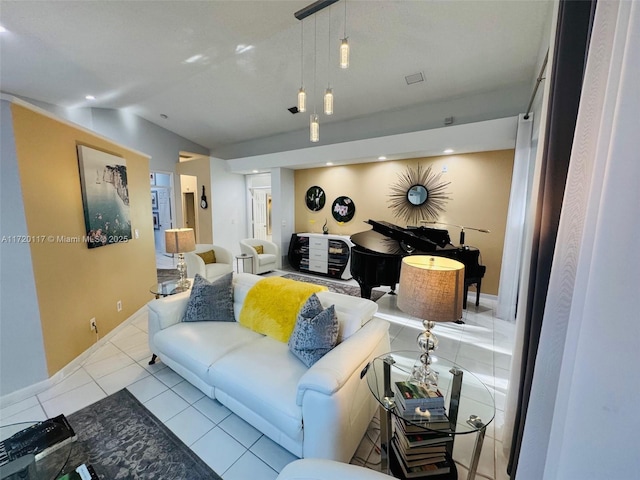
67 370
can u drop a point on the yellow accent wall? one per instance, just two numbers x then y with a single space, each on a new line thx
479 197
75 283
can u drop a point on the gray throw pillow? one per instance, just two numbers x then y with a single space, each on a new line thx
210 301
315 332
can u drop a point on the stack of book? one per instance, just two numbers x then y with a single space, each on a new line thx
420 450
414 402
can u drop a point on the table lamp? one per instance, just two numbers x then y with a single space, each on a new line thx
431 289
180 240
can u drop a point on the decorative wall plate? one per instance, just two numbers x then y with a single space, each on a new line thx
315 198
418 195
343 209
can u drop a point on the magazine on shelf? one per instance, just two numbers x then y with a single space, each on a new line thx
423 470
411 460
419 439
411 394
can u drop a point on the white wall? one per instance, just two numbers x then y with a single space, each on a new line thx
499 103
133 131
228 206
20 328
283 211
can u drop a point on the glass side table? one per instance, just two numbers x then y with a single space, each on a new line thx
170 287
243 258
48 467
470 405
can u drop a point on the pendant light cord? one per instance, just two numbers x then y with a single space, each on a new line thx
302 54
329 54
315 38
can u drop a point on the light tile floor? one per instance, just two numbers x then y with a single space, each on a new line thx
232 447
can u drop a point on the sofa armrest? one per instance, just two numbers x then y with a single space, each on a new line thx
165 312
333 370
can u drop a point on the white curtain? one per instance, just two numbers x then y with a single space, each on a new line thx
583 419
513 239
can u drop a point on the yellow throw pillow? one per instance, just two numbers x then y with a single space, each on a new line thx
208 257
271 306
259 249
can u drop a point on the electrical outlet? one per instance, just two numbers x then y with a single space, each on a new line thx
119 305
92 325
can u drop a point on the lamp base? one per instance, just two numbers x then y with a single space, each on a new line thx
422 372
182 270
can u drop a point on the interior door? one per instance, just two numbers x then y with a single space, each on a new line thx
164 216
260 214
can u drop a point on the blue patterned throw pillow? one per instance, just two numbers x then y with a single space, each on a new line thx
210 301
315 332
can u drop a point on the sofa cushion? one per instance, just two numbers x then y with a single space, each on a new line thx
266 259
207 257
197 345
272 305
315 332
210 301
264 377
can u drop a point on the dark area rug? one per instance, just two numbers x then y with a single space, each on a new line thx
166 274
123 440
335 286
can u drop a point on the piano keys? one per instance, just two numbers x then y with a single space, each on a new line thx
377 254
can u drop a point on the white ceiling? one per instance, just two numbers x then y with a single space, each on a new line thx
132 54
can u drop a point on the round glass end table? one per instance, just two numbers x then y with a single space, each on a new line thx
43 465
469 407
170 287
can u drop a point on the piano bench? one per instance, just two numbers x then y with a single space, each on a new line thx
477 281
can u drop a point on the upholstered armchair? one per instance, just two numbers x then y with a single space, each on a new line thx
195 264
262 262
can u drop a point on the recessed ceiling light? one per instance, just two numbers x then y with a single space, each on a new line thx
194 58
382 157
254 171
90 97
448 150
329 164
2 29
164 116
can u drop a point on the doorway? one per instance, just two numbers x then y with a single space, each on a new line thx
189 202
162 207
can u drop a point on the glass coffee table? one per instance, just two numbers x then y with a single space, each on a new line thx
48 467
469 404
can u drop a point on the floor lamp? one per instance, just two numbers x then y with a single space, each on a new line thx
180 241
431 289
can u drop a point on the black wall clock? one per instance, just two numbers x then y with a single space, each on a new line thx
315 198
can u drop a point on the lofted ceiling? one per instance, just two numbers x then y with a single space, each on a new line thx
225 72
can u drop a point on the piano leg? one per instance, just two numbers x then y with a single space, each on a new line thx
365 291
478 284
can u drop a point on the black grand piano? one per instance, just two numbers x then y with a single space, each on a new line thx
377 254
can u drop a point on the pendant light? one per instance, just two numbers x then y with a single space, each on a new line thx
344 43
302 95
314 124
328 94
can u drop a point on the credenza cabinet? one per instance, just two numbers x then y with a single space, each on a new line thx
316 253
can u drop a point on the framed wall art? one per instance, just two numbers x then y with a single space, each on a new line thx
105 197
343 209
315 198
154 199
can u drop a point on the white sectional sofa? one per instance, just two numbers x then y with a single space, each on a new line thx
317 412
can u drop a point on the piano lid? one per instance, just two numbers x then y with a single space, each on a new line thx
387 238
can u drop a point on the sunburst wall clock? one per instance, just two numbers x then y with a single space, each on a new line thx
418 194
